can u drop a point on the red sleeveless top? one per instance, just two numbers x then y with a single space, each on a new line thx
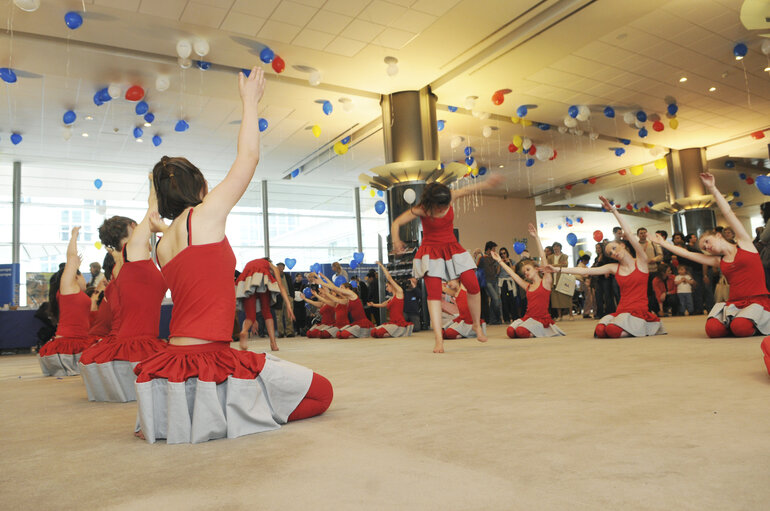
327 315
633 292
538 301
461 300
142 289
73 315
396 311
112 295
356 309
201 281
103 320
341 315
744 275
438 231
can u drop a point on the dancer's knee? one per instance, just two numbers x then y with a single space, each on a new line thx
523 332
471 283
742 327
715 328
613 331
511 332
600 330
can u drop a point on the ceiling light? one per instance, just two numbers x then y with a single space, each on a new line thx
712 89
147 125
501 166
85 135
767 69
139 140
89 117
683 79
739 57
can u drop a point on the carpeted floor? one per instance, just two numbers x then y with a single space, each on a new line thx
670 422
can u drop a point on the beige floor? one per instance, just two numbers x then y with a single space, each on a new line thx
667 423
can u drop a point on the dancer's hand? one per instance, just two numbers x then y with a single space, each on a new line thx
290 310
253 87
370 304
494 255
657 238
399 247
532 230
494 180
549 269
606 204
156 223
708 180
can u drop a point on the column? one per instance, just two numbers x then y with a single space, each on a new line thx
265 223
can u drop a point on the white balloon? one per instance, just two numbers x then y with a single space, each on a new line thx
162 83
409 196
114 90
593 135
476 114
584 113
765 47
557 190
578 132
629 117
201 47
570 122
183 48
347 106
184 63
484 116
456 141
67 133
27 5
315 78
541 155
392 69
639 124
470 102
526 144
562 129
487 131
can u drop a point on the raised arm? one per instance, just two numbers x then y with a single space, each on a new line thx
402 219
324 299
314 303
69 284
641 255
493 181
744 240
697 257
352 295
279 277
607 269
520 281
540 250
138 246
399 292
379 305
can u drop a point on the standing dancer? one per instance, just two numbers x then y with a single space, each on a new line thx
747 310
632 318
359 325
537 322
107 368
440 257
200 388
257 288
397 326
59 356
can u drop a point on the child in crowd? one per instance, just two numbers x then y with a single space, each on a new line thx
684 283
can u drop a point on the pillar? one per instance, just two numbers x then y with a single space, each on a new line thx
684 187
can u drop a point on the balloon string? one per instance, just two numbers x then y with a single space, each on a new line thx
746 79
9 29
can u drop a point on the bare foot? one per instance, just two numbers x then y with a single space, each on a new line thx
439 347
242 344
273 346
139 435
480 334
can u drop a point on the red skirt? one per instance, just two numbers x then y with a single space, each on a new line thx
65 345
213 361
133 349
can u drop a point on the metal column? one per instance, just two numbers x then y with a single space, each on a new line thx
16 238
265 223
357 196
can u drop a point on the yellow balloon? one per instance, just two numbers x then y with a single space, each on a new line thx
372 192
636 170
660 163
673 123
582 253
340 148
526 123
475 172
515 120
316 131
649 146
517 141
98 245
363 187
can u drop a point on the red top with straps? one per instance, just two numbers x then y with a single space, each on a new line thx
327 315
103 320
142 289
112 295
340 315
538 301
744 275
396 311
201 281
633 291
438 231
73 315
357 314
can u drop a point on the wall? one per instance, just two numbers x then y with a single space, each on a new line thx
494 218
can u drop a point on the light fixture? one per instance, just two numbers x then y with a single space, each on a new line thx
139 140
500 166
739 57
712 89
147 125
89 117
85 135
767 69
683 79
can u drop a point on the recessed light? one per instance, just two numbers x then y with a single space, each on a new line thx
147 125
767 69
139 140
739 57
501 166
712 89
85 135
683 79
89 117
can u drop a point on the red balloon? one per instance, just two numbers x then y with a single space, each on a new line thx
554 155
532 150
568 187
592 180
622 172
749 180
598 236
134 93
498 98
758 135
629 207
278 64
512 148
580 220
657 126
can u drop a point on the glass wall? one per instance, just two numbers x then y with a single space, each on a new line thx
373 226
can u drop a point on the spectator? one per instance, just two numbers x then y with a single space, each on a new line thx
764 239
283 322
413 303
560 302
300 311
666 254
684 284
665 291
654 256
587 302
96 274
696 270
602 284
507 289
373 295
491 271
337 269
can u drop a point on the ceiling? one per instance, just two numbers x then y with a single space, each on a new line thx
550 53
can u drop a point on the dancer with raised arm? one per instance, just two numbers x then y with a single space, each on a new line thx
747 310
397 326
632 318
460 326
257 289
358 324
537 321
200 388
59 356
327 317
440 257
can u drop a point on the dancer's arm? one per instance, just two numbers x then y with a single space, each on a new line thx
607 269
403 219
138 246
490 182
742 238
520 281
697 257
352 295
641 255
324 299
399 292
379 305
218 203
540 250
284 294
314 303
69 284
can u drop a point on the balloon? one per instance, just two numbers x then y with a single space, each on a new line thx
69 117
562 129
498 98
650 203
482 171
657 126
440 124
736 193
636 170
570 122
456 141
262 124
104 95
316 131
765 47
339 280
629 117
409 196
609 112
559 227
295 173
520 247
278 64
353 265
156 140
183 48
134 93
673 123
290 262
532 150
592 180
619 151
729 164
307 292
642 132
162 83
468 151
742 175
27 5
598 236
141 108
543 126
67 133
7 75
622 172
203 65
512 148
114 90
266 55
529 162
184 63
573 111
469 160
392 69
758 135
98 183
526 144
572 239
749 180
372 192
181 125
138 132
521 111
763 184
201 47
641 116
98 245
314 79
517 140
340 148
452 108
487 131
16 139
73 20
97 99
379 207
149 117
660 163
359 257
584 113
327 107
672 109
739 204
346 140
740 50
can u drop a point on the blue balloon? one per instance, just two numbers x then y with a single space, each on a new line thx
573 111
353 264
739 204
246 72
624 141
559 227
672 109
97 100
327 107
380 193
307 292
740 50
742 175
266 55
641 116
262 124
572 239
763 184
7 75
612 202
520 247
521 111
650 203
289 262
138 132
609 112
16 139
482 171
729 164
181 125
379 207
468 150
98 183
529 162
542 225
339 280
440 124
585 181
295 173
156 140
353 283
104 95
141 108
73 20
149 117
69 117
544 126
203 65
346 140
358 256
619 151
452 108
469 160
642 132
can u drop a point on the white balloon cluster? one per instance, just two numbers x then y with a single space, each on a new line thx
470 102
162 83
27 5
544 152
526 144
455 141
584 113
315 78
185 48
